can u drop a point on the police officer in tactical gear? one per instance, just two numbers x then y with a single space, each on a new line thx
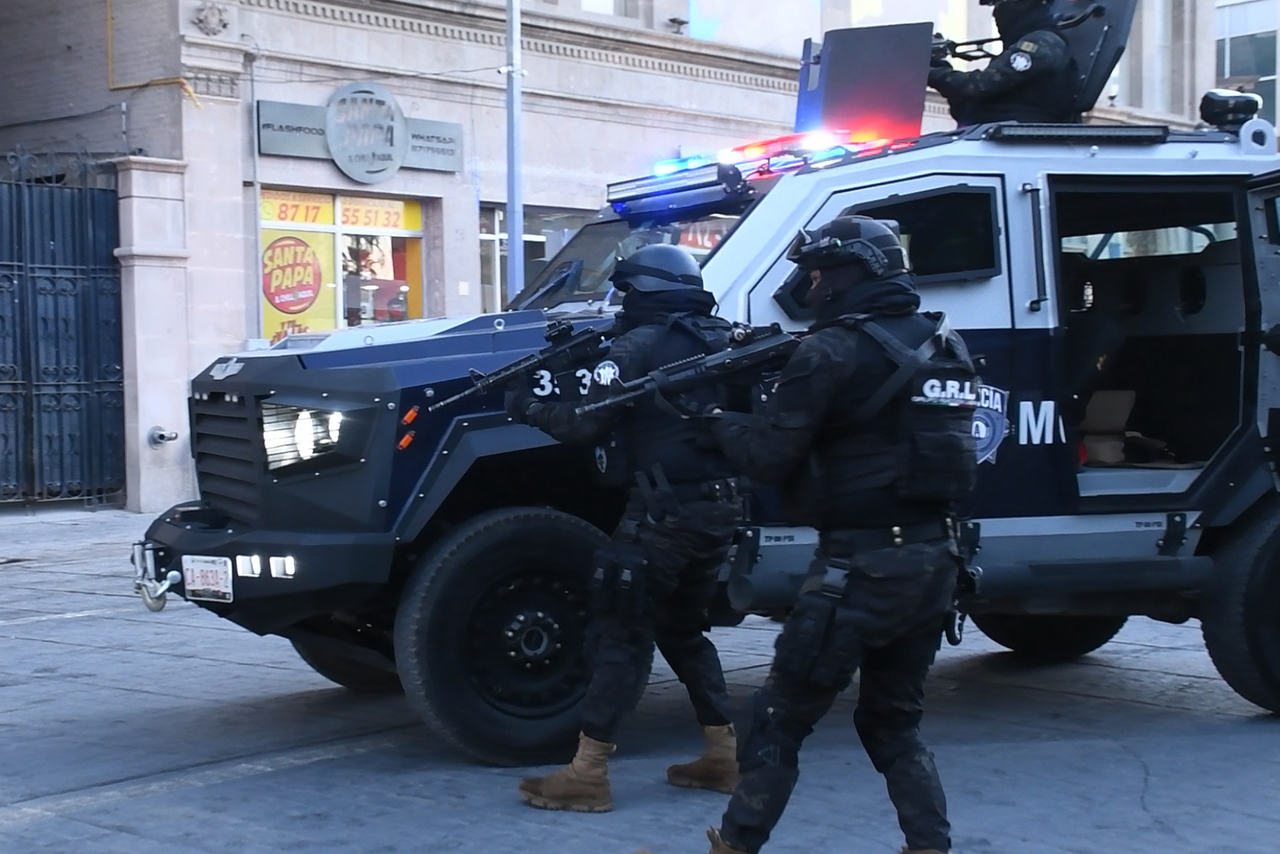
1033 80
869 436
656 577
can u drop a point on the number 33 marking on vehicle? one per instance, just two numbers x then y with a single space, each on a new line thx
545 385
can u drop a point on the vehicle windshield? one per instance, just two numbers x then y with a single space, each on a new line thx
580 271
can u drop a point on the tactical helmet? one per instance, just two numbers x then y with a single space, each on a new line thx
847 239
657 267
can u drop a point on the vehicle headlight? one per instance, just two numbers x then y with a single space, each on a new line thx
293 434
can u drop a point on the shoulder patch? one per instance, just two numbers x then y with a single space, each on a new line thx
1028 46
1020 61
605 373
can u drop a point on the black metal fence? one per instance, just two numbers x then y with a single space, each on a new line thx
61 373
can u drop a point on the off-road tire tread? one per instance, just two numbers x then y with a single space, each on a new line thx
1222 616
352 675
1019 633
409 619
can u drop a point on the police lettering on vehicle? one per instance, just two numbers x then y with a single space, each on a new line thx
544 385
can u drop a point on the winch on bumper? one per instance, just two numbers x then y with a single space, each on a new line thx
262 580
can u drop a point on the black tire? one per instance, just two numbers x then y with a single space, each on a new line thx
350 674
1049 638
489 634
1240 609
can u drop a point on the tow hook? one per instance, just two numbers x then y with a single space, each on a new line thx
153 592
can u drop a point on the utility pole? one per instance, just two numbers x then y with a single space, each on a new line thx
515 200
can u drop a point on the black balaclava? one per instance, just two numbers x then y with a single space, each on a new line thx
1017 18
640 308
850 289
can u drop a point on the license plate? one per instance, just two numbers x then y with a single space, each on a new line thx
206 578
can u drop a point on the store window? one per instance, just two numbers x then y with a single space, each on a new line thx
625 8
335 261
545 231
1247 49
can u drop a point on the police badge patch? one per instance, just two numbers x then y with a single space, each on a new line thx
605 373
602 459
990 422
1020 61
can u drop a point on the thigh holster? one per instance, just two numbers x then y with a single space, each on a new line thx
821 642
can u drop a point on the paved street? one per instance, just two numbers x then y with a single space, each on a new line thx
127 731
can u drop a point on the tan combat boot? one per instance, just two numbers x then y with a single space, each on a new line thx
717 769
718 845
581 786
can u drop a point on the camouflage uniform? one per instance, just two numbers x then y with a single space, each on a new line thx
1033 80
883 608
655 579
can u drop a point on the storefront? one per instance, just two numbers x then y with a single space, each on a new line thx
332 261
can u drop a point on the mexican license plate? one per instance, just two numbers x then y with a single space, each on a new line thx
206 578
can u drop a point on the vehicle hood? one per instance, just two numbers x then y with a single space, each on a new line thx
419 351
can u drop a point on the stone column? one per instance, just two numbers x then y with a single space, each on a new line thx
153 277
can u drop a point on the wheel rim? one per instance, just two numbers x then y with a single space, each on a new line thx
523 649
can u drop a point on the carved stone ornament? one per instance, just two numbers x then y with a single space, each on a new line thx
211 18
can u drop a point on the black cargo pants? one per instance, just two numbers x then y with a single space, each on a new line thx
888 622
653 583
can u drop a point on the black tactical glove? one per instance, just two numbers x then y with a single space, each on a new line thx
939 70
520 399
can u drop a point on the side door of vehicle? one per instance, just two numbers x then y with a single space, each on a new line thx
1264 226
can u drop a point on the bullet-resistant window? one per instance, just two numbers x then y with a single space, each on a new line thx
950 235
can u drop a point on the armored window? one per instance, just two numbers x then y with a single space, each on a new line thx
950 235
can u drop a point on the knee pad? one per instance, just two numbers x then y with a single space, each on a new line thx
767 742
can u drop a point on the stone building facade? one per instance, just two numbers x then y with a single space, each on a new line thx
238 225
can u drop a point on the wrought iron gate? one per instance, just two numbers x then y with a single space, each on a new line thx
61 376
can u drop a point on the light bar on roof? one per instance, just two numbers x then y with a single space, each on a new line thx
777 154
693 179
1135 134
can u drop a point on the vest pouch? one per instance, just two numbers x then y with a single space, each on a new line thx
939 456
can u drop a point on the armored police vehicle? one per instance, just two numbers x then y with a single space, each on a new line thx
1122 285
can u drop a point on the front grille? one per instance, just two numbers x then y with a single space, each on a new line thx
225 441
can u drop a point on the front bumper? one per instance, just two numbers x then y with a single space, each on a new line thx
329 570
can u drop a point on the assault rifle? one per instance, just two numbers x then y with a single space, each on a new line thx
945 48
566 349
753 349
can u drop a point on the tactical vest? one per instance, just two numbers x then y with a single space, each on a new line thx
1044 98
902 425
654 433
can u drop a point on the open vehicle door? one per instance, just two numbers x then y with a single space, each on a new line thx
1264 226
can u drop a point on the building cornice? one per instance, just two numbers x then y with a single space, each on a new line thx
557 38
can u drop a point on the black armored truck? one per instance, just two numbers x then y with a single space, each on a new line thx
1121 283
